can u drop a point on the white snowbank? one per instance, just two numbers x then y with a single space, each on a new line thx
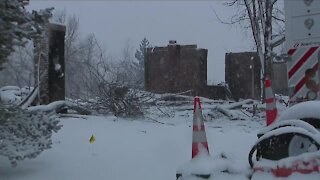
201 164
293 122
10 88
135 149
141 149
309 109
207 165
13 94
49 107
290 129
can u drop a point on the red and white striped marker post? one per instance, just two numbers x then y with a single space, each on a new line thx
271 108
303 59
199 138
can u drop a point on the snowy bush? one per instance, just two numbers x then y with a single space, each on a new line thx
13 95
25 134
120 100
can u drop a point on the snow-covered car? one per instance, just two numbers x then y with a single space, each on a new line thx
290 144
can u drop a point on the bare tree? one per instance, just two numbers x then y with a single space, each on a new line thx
60 16
127 66
92 74
18 70
261 16
91 58
109 82
72 33
112 91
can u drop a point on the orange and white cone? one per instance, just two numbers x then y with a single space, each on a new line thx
199 147
271 108
199 138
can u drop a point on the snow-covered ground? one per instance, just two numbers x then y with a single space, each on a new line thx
153 147
126 149
132 149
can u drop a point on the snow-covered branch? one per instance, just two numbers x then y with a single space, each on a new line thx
226 112
273 2
25 134
238 104
226 109
57 106
278 40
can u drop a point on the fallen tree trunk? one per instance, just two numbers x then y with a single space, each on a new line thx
58 106
226 109
238 104
226 112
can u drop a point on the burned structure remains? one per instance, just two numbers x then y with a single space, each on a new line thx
49 64
179 68
280 81
242 74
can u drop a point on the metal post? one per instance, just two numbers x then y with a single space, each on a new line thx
252 76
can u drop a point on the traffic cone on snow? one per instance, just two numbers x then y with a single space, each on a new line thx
199 147
199 138
271 108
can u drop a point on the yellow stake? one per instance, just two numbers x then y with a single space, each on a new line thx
92 139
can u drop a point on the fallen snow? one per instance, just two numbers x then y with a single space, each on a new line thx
132 149
292 122
50 107
153 147
309 109
13 94
291 129
57 67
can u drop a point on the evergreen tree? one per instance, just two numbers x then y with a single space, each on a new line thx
139 55
25 134
17 25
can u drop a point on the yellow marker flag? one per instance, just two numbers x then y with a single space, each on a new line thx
92 139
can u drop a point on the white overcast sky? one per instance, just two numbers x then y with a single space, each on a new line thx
189 22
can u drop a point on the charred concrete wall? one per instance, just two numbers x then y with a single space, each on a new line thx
41 64
180 68
49 61
176 68
56 79
280 82
242 73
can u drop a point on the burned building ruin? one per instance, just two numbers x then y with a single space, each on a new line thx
242 74
179 68
49 64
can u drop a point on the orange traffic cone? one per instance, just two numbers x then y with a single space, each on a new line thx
199 147
199 138
271 108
